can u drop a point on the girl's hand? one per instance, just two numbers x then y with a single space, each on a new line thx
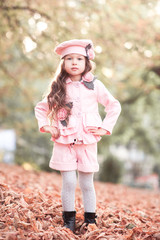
97 131
52 130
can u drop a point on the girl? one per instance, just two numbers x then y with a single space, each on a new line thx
70 114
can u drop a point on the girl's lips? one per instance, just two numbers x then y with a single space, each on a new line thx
74 69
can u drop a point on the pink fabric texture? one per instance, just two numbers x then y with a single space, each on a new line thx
84 113
75 46
66 157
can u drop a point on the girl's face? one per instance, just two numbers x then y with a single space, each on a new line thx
74 64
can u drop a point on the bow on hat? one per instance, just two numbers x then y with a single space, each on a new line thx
89 52
79 46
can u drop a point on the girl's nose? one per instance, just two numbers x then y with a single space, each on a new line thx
74 61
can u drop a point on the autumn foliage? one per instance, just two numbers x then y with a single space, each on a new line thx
31 208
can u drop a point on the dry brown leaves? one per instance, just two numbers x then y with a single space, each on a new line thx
30 208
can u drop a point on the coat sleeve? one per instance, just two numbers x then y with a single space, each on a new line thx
112 107
41 110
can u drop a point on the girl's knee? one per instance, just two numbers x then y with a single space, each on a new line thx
69 180
86 181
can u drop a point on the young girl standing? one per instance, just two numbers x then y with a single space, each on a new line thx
70 114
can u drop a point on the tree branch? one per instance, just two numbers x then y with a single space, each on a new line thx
32 10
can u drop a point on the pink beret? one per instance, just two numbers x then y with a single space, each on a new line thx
79 46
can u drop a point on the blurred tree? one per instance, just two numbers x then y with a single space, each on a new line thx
111 170
127 40
156 169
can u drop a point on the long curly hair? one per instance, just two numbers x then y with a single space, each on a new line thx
57 95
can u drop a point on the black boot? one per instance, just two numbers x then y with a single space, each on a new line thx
69 220
89 217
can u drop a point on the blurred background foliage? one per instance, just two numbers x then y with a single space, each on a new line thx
126 36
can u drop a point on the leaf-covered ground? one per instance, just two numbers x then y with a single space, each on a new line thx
30 208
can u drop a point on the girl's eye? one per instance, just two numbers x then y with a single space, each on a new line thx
80 59
69 58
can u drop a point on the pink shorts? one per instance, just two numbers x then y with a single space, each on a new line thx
81 157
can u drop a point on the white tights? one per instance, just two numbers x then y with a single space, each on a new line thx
87 188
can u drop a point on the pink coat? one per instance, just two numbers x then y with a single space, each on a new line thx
84 112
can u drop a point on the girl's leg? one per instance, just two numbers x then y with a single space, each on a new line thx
88 191
68 190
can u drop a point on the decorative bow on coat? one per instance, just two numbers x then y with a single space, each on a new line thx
88 80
